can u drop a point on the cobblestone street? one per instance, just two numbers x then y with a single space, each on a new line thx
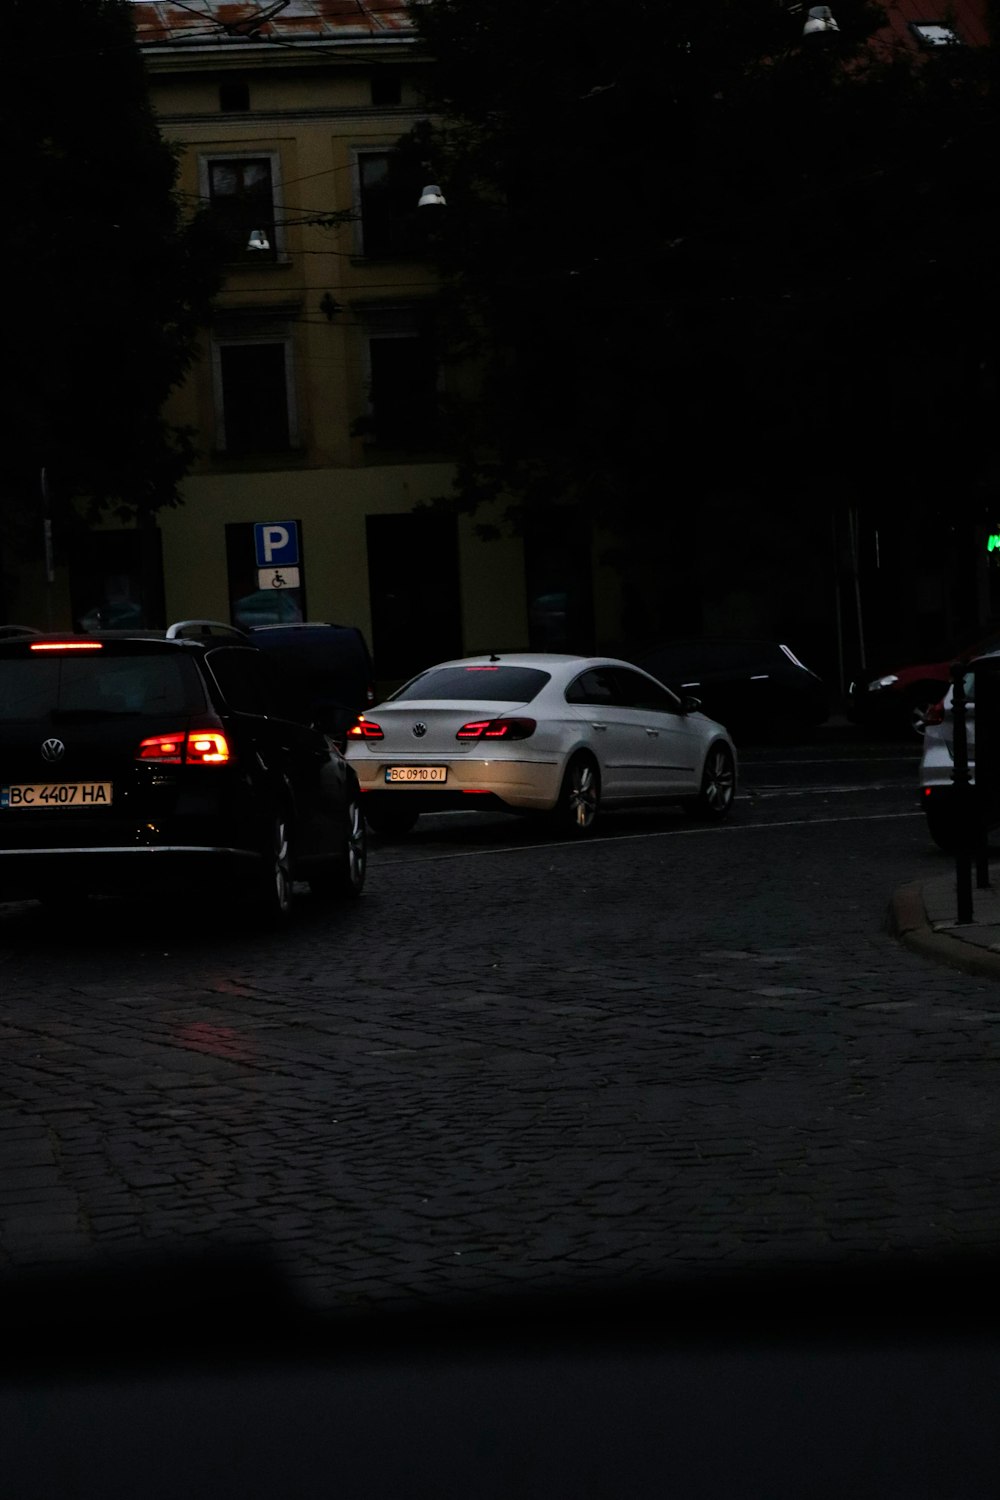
513 1064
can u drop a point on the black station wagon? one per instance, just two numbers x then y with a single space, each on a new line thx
144 762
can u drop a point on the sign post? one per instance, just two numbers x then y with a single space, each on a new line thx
964 811
277 554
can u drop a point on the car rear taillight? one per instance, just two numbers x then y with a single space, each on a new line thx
207 747
195 747
365 729
934 714
496 729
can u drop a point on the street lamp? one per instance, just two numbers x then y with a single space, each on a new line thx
819 21
431 197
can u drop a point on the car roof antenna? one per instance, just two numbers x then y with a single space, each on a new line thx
493 656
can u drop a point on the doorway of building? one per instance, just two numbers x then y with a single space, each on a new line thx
116 580
413 581
557 566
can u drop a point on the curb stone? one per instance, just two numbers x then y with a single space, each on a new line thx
907 921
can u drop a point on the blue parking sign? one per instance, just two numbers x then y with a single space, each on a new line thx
276 543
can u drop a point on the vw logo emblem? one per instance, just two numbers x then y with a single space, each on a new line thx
53 750
420 729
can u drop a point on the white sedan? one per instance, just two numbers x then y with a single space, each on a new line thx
530 732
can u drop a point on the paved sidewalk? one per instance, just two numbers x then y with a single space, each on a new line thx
923 916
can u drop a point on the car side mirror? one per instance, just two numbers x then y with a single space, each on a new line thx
690 705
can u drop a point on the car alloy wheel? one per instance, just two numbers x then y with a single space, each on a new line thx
346 877
580 798
718 783
277 900
357 847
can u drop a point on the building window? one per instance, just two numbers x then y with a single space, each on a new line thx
403 392
387 88
415 593
254 408
116 579
387 195
935 34
241 191
234 96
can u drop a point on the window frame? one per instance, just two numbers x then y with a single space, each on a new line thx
278 254
358 153
222 341
395 332
946 34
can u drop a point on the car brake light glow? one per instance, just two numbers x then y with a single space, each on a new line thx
207 747
166 748
67 646
496 729
934 714
365 729
197 747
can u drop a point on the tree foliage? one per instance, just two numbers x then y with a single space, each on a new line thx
694 253
107 278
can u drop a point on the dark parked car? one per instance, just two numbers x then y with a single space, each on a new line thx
152 762
327 666
751 686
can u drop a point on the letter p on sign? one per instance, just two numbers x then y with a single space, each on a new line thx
276 544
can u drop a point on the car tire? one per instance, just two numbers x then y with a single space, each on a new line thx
344 878
579 797
275 901
718 785
390 822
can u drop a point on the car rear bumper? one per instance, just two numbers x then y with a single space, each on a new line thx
528 786
937 767
112 870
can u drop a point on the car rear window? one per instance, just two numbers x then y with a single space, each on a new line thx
482 684
32 688
326 665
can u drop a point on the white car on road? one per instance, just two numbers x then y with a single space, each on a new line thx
532 732
937 760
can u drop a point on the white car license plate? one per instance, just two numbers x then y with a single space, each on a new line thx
37 794
416 773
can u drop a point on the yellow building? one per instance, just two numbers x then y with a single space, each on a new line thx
314 400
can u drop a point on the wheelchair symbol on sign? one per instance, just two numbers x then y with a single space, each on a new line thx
277 582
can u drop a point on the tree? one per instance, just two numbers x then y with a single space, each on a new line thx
107 279
699 256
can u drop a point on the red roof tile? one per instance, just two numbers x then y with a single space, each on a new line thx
965 17
205 21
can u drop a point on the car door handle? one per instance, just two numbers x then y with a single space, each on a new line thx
653 733
598 726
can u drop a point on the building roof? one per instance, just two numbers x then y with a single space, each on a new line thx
216 22
966 18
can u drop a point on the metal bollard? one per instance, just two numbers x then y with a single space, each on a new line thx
986 676
963 795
